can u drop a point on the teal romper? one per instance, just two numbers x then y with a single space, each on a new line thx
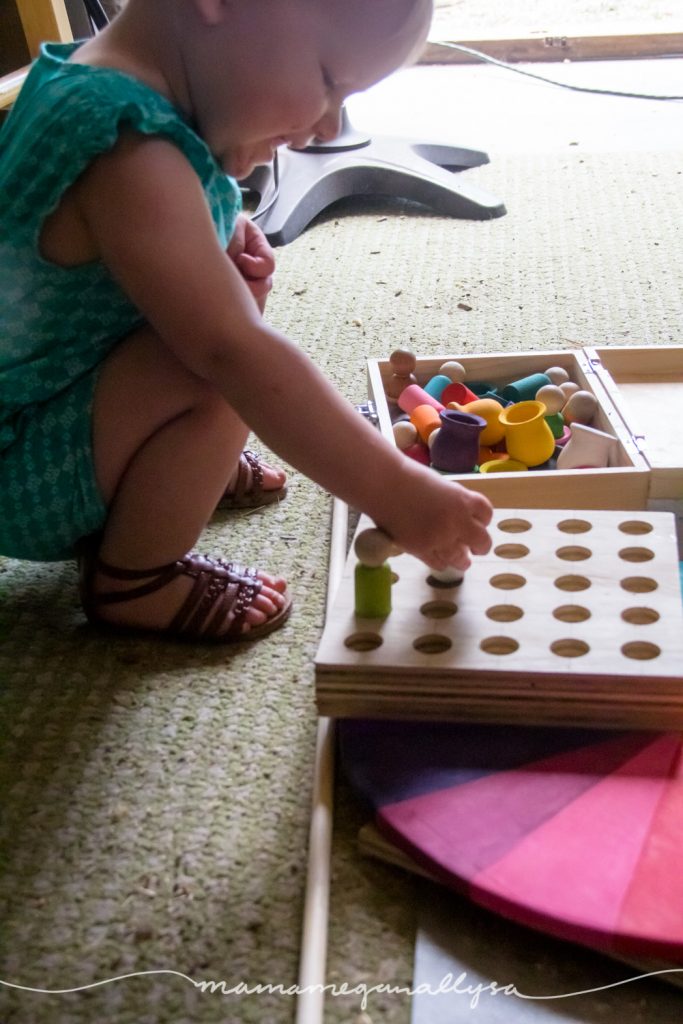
58 324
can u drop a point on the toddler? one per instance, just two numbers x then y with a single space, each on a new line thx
134 358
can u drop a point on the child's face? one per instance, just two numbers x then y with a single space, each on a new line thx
274 72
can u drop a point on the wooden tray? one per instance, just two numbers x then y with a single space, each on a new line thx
572 618
640 398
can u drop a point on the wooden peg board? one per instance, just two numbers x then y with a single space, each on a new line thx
572 618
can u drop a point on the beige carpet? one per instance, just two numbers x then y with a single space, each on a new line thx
155 797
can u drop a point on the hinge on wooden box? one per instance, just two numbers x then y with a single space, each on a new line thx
595 361
369 411
639 441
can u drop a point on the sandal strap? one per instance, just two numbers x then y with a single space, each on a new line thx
214 597
253 482
160 575
220 589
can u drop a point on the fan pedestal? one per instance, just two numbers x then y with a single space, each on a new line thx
302 183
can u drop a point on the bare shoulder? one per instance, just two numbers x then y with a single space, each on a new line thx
145 172
145 207
150 221
66 238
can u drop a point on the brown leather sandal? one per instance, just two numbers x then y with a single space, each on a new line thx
221 589
249 492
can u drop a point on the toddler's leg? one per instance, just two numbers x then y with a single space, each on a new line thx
166 443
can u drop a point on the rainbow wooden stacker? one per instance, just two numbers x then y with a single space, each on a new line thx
575 832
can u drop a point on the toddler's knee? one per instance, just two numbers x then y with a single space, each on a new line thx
216 408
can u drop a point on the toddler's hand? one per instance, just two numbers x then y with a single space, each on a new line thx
253 256
441 523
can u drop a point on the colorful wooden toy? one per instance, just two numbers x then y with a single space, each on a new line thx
456 448
557 374
450 577
487 454
372 590
425 419
568 388
435 385
505 465
524 389
489 410
552 397
556 424
419 452
454 370
586 447
414 395
458 392
405 434
581 407
373 577
528 438
372 574
373 547
403 366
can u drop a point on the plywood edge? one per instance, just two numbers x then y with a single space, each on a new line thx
10 86
559 47
542 712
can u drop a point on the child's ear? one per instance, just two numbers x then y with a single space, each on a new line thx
212 12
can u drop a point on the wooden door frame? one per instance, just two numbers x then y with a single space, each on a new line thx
41 20
572 46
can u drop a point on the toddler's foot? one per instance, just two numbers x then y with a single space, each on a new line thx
196 598
254 483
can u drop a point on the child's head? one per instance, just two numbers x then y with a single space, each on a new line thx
257 73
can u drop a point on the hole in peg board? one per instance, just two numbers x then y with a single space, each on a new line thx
571 613
363 641
511 551
504 612
574 526
572 583
641 650
514 525
499 645
636 554
639 584
569 647
507 581
574 553
640 616
635 527
438 609
432 643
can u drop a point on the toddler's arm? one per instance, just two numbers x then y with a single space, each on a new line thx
148 216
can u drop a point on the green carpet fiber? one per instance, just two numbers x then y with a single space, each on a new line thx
155 797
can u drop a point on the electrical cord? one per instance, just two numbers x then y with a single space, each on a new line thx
262 210
550 81
99 19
